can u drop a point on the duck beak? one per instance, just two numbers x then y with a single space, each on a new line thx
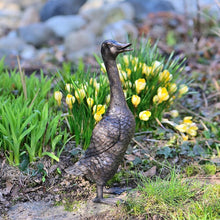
124 47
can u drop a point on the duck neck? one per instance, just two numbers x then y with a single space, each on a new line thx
117 97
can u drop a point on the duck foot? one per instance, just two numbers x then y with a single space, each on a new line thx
108 201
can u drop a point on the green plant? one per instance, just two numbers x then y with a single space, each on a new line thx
28 125
150 85
174 198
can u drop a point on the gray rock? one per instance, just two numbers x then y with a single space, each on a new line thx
79 43
36 34
29 16
99 18
143 8
120 31
63 25
60 7
28 53
12 44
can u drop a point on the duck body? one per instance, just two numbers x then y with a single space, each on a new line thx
111 136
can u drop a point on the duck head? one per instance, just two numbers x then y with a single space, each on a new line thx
111 48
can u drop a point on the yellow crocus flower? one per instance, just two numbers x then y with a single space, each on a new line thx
70 100
165 76
97 117
144 115
107 98
90 102
183 89
135 100
126 59
80 94
123 76
162 94
172 87
58 96
140 85
103 68
146 70
128 72
155 99
68 87
181 127
192 130
99 109
174 113
187 120
157 66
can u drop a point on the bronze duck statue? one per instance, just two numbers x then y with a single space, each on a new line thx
111 136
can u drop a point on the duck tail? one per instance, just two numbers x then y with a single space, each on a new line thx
78 169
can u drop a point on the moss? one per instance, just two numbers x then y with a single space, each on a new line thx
209 169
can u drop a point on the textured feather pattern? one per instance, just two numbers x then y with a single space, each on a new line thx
109 142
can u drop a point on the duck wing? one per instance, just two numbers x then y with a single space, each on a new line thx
105 135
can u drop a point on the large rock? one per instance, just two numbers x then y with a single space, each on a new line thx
120 31
29 16
37 34
63 25
143 8
13 44
79 43
99 18
60 7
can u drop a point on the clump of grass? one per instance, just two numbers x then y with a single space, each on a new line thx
174 198
28 127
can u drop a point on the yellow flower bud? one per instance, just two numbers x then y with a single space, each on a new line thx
58 96
103 68
165 76
192 130
68 87
144 115
140 85
162 94
128 72
183 89
174 113
135 100
80 94
155 99
97 117
123 76
70 100
172 87
157 66
181 127
146 70
187 120
99 109
126 59
125 93
90 102
108 98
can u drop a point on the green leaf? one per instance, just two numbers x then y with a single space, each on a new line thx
51 155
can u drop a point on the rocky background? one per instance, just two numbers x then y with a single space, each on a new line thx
46 33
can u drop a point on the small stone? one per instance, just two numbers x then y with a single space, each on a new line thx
58 7
36 34
63 25
29 16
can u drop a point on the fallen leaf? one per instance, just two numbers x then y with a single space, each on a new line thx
151 172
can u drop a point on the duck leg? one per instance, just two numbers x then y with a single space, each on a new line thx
108 201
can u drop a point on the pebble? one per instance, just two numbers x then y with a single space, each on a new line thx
37 34
58 7
63 25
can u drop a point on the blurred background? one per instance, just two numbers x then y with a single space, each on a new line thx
46 33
